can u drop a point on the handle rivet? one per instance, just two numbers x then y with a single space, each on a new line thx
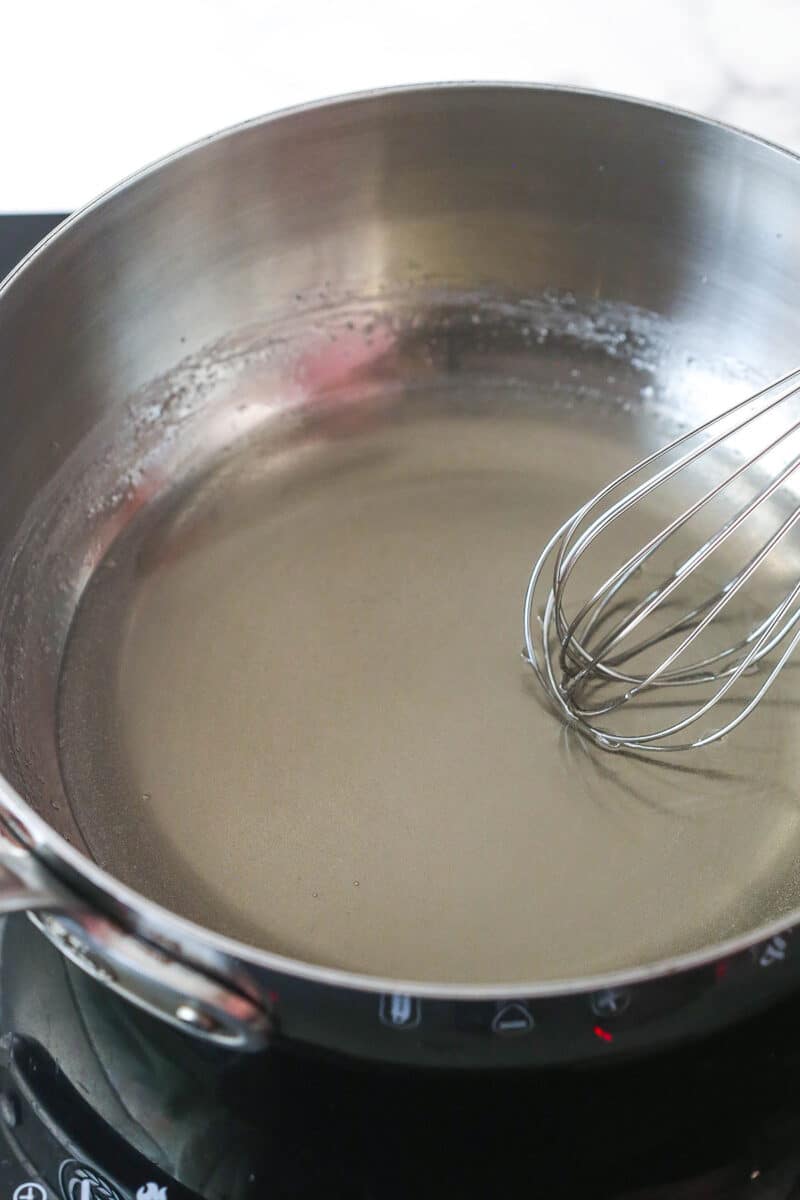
190 1014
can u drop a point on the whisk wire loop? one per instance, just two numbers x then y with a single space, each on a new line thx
587 660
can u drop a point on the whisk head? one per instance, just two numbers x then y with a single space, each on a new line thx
659 614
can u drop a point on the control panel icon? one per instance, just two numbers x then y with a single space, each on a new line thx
399 1011
514 1017
30 1191
79 1182
773 951
611 1002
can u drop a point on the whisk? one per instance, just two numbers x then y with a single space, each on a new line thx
685 618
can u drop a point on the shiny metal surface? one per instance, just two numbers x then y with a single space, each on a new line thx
408 326
154 981
148 976
24 882
703 627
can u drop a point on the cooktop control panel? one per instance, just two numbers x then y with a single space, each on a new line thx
46 1122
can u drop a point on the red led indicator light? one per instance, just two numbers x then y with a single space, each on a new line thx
603 1034
721 970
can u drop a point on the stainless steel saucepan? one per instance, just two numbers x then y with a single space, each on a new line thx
285 419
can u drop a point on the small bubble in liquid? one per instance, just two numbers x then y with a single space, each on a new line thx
146 795
315 895
356 883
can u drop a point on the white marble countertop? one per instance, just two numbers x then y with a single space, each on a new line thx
91 91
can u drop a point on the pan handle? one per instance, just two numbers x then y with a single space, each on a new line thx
25 883
147 975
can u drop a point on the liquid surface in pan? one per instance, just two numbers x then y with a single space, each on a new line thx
311 727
